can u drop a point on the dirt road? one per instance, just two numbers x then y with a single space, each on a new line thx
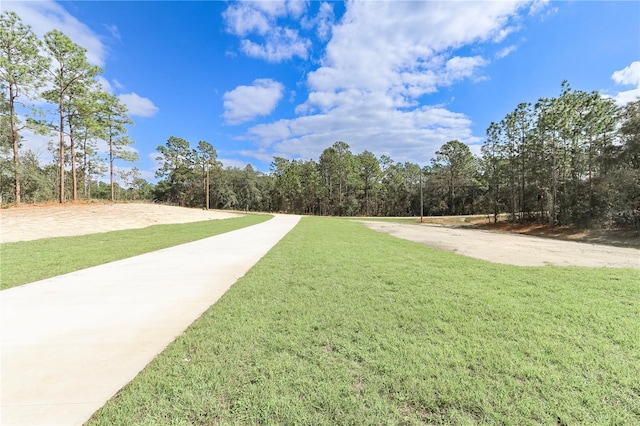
512 249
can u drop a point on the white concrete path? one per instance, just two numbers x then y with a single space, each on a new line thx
71 342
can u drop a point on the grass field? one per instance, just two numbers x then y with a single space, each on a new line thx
342 325
28 261
409 221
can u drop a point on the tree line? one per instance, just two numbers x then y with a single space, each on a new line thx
572 159
55 70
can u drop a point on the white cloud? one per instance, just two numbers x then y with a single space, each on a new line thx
503 53
458 68
137 105
629 76
44 16
261 155
269 40
104 84
540 8
382 58
323 21
244 103
402 47
234 163
623 98
504 32
296 8
365 123
38 144
537 6
243 19
281 44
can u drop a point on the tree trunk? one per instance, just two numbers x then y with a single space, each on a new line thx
16 145
112 195
74 178
113 198
522 184
84 166
61 149
554 189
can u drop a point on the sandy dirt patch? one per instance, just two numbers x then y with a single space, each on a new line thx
512 249
30 222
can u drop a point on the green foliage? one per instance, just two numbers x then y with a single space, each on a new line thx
455 166
184 171
341 325
35 184
370 175
558 162
112 120
22 71
69 76
28 261
338 169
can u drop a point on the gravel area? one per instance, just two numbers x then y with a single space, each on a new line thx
512 249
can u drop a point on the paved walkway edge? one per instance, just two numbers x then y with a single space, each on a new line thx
69 343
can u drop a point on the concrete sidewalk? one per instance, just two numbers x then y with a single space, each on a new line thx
71 342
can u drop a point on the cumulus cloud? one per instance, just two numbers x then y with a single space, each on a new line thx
624 97
244 103
458 68
265 28
281 44
243 19
366 122
628 76
382 57
44 16
323 21
402 48
137 105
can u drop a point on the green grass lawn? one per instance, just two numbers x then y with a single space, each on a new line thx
28 261
340 325
387 219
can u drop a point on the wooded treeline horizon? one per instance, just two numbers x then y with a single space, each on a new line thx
569 160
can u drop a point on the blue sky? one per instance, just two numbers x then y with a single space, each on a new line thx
289 78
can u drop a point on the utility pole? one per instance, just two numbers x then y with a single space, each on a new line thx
207 195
